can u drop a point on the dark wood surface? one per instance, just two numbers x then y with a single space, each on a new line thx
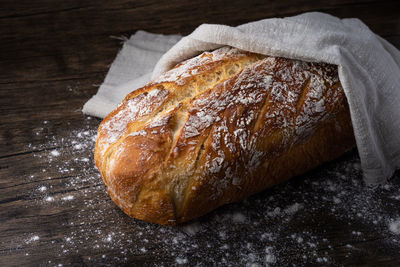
53 206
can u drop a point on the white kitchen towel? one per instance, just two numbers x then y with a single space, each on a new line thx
369 70
131 69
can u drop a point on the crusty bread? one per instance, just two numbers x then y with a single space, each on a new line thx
218 128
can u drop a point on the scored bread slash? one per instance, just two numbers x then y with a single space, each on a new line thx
218 128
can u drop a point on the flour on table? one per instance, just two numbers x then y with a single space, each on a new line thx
55 153
394 227
42 188
66 198
49 199
32 239
273 228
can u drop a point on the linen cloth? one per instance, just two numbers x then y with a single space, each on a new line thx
131 69
369 71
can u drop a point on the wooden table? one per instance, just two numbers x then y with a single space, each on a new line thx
53 206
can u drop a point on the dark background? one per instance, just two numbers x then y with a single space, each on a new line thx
53 57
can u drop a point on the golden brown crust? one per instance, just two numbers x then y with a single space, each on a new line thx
218 128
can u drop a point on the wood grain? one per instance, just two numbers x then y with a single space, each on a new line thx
53 57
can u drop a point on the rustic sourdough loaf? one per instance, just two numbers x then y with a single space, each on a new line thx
218 128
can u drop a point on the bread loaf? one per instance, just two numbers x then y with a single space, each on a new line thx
218 128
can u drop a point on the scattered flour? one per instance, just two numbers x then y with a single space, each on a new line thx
269 255
78 146
42 188
191 228
49 199
394 227
293 209
32 239
238 217
66 198
181 260
274 228
55 153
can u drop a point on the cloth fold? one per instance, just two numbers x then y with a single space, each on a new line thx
131 69
369 70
